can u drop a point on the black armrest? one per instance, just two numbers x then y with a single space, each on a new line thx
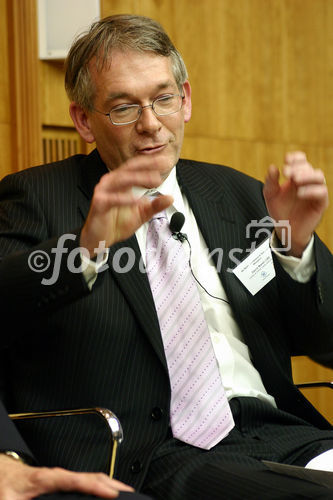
315 384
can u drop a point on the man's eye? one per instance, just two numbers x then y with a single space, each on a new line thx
122 110
165 102
165 99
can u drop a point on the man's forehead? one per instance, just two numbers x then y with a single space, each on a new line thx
104 62
125 72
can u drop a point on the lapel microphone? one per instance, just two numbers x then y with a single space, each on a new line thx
176 223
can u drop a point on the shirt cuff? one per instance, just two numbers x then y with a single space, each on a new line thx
300 269
90 268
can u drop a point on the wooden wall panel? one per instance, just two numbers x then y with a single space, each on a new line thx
5 109
55 102
5 149
4 64
59 143
24 84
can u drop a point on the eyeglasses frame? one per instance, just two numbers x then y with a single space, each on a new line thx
141 108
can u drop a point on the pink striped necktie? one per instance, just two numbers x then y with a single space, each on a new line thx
199 411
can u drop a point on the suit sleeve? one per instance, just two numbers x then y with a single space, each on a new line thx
10 438
35 278
308 308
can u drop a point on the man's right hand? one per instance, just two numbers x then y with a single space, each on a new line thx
24 482
115 214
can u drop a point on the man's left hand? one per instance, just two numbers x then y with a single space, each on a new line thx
301 199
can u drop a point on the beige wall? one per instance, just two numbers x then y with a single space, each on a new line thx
262 79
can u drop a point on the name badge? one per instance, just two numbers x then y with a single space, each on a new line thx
257 269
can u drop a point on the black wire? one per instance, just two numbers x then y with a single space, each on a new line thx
181 237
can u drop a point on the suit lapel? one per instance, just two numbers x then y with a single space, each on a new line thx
92 169
124 256
135 287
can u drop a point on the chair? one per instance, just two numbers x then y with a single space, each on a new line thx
110 421
316 398
312 376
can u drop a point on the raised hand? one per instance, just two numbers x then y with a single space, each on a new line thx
115 214
301 199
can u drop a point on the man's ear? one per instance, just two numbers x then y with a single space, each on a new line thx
187 101
81 122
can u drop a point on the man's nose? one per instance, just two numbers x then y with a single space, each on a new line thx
148 120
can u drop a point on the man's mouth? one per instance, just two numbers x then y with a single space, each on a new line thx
151 149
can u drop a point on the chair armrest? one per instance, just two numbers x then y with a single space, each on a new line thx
315 384
111 421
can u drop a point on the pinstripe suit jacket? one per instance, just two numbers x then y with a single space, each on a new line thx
68 347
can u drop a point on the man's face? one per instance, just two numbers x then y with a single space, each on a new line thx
137 78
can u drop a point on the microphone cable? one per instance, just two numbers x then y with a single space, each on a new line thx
176 223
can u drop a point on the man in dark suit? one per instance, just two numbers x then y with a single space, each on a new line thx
89 331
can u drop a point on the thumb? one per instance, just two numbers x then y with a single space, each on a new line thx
150 207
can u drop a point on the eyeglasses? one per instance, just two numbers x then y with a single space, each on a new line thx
130 113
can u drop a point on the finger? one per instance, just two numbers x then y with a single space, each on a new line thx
104 478
107 201
150 207
117 191
122 180
161 203
271 186
313 192
57 479
118 484
305 175
137 163
295 158
103 202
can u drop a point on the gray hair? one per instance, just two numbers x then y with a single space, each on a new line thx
124 32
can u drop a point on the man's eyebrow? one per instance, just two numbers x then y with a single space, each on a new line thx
117 95
128 95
